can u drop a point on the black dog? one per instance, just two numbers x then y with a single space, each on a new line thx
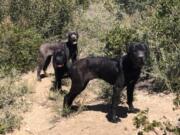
60 64
119 72
46 51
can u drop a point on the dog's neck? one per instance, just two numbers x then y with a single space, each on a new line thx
70 45
128 63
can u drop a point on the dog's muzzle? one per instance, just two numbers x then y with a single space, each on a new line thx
74 39
74 42
60 65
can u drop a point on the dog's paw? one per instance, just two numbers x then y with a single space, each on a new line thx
53 89
113 119
39 79
46 74
133 110
62 92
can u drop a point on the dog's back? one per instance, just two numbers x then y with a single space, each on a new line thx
96 67
48 48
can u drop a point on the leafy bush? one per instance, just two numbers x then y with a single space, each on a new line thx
24 24
84 3
8 122
163 28
131 6
118 38
2 10
19 9
159 25
19 47
142 122
48 17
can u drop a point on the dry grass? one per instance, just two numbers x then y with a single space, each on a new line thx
12 102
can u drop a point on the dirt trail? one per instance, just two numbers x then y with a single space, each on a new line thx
38 120
40 113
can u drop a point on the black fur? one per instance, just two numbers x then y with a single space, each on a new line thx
46 51
119 72
60 64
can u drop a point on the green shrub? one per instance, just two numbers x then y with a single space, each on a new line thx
118 37
58 19
164 28
23 24
131 6
10 91
142 122
159 26
84 3
8 122
2 10
19 47
48 17
19 9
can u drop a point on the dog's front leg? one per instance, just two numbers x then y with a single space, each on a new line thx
130 92
57 81
117 88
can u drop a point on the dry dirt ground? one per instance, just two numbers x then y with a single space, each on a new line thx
41 118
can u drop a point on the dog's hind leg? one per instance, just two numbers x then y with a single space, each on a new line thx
46 64
40 66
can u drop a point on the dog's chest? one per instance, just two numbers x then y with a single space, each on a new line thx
131 75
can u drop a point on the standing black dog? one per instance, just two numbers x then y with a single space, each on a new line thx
60 64
46 51
119 72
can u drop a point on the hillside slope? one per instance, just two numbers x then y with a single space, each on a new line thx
43 117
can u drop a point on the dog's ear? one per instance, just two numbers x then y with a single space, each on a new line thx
127 47
68 35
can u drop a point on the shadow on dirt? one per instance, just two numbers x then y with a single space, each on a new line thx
122 112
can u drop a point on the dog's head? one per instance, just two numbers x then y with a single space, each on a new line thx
73 37
59 58
137 52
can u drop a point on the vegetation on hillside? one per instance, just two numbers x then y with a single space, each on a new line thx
105 28
25 24
12 102
158 24
142 122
